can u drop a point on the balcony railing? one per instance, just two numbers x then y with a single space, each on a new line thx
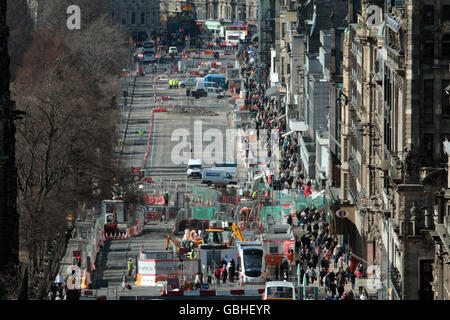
396 279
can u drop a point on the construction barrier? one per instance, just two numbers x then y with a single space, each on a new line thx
121 235
151 272
152 216
147 151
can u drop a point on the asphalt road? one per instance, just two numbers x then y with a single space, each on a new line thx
162 167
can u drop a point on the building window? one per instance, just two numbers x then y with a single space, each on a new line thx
446 46
445 99
445 13
428 15
428 101
428 149
428 49
133 18
124 19
142 17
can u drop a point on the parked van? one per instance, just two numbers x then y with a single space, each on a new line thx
200 88
221 176
194 168
173 50
214 92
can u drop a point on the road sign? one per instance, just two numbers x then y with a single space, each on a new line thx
342 213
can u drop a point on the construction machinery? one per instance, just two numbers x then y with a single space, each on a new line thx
179 248
115 216
237 233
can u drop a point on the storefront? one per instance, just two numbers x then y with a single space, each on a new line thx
215 27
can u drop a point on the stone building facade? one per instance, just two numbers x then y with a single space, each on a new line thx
140 17
394 118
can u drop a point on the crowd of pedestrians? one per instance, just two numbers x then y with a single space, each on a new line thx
320 258
267 114
317 252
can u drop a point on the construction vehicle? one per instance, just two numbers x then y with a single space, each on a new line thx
213 236
115 216
179 248
237 233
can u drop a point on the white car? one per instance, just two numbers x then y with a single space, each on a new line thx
173 50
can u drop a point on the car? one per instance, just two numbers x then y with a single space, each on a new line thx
189 82
148 58
173 50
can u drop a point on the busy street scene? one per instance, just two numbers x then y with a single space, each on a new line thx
229 150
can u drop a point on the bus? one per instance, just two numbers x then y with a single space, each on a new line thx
279 290
234 34
251 262
149 47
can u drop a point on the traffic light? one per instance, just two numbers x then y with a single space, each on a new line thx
185 38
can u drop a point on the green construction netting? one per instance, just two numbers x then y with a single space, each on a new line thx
204 213
289 199
205 194
300 201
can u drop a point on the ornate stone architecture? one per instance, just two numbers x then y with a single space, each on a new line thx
395 116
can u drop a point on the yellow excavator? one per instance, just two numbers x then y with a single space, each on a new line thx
237 233
175 242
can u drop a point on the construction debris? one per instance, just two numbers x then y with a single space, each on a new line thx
194 111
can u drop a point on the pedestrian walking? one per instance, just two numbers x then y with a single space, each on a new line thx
340 263
323 274
363 296
333 288
130 267
59 281
124 281
353 280
217 275
224 273
198 281
311 275
277 271
327 284
231 269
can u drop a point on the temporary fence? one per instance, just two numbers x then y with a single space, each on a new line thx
154 271
204 195
204 213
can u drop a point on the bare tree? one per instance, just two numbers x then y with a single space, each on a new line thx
99 48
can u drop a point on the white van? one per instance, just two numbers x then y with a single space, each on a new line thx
194 168
173 50
222 176
201 86
214 92
279 290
